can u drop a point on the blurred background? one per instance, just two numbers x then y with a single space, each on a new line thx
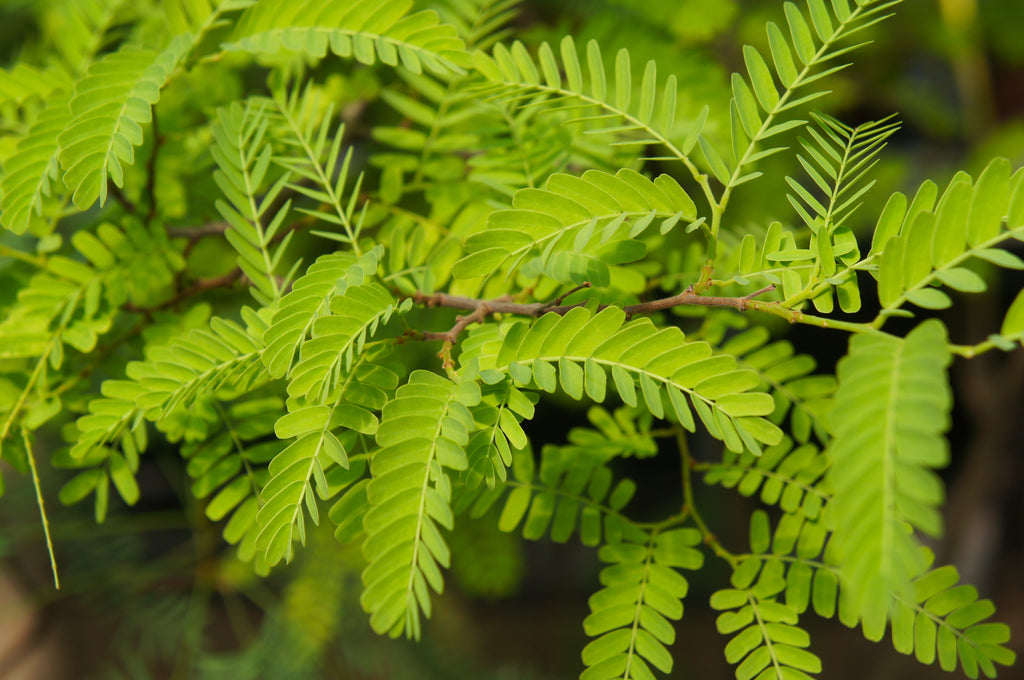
153 593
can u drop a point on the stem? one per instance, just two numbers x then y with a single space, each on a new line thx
151 169
690 507
15 254
42 508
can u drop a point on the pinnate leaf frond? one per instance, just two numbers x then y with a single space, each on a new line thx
643 592
580 225
576 351
243 158
925 245
366 30
894 402
32 171
422 435
757 100
108 109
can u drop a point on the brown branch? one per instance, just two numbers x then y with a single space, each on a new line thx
208 229
481 309
119 196
536 309
200 286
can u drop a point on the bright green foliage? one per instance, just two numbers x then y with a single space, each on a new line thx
243 161
366 30
767 641
582 90
24 82
29 172
423 434
757 101
229 467
785 475
569 493
804 397
795 568
108 109
377 177
642 593
581 225
935 241
895 399
944 619
655 367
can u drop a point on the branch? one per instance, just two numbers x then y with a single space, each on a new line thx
481 309
535 309
199 286
208 229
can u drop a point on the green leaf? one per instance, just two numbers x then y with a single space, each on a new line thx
761 78
1013 323
897 402
300 422
367 30
989 203
109 107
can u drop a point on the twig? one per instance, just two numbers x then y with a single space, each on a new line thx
39 501
208 229
481 309
126 202
535 309
558 300
199 286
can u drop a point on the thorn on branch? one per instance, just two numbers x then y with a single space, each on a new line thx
558 300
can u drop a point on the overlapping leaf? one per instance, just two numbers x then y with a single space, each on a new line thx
366 30
935 618
944 619
576 351
571 492
838 160
312 154
580 225
315 449
799 393
787 476
490 449
30 170
243 158
514 74
123 264
766 638
110 105
176 375
196 16
229 468
294 324
481 23
445 125
24 82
